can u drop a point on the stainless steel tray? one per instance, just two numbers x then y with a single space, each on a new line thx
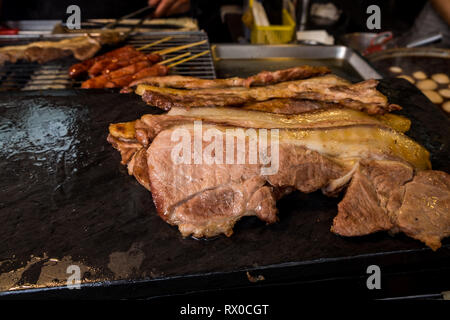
243 60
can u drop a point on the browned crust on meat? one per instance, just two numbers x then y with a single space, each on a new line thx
138 167
361 96
262 78
272 77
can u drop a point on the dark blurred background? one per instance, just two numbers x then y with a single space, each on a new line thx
397 15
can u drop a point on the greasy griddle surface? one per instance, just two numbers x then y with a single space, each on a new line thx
66 199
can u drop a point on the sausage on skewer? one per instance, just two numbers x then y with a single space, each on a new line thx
153 58
100 81
123 53
79 69
124 76
98 67
156 70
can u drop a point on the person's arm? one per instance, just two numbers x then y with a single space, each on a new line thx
169 7
442 7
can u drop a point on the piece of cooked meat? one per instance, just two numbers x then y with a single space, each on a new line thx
387 195
123 130
328 88
208 199
120 63
126 147
150 125
82 68
351 138
424 212
383 167
262 78
289 106
298 106
363 209
333 148
100 63
123 76
137 166
81 48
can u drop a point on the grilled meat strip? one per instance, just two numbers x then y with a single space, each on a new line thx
328 88
262 78
289 106
299 106
43 51
149 126
81 48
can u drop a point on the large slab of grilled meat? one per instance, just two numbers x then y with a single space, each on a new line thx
82 47
324 144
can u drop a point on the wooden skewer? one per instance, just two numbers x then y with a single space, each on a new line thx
170 50
155 43
175 58
188 59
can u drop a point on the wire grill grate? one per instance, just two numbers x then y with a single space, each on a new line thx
54 74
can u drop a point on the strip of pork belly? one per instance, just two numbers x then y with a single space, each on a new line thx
262 78
328 88
150 125
298 106
308 160
397 122
331 116
388 195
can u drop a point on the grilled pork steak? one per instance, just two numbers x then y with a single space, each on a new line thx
207 199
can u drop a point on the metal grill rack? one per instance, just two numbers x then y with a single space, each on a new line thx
54 74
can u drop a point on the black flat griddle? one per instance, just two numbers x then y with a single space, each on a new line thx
65 199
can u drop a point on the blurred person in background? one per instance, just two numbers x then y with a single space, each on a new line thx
434 18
